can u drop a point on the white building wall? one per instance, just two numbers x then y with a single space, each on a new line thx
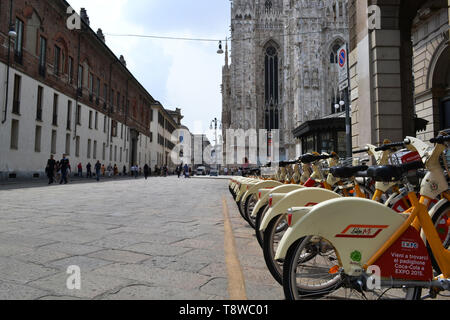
25 161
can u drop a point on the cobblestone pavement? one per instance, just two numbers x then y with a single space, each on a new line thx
161 238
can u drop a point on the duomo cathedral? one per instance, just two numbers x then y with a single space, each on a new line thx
281 70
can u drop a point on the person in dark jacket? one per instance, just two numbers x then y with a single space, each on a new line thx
50 169
98 168
65 168
89 170
146 171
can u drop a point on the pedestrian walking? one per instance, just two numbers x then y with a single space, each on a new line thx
65 169
124 172
179 170
50 169
89 170
110 170
80 170
146 171
116 170
98 168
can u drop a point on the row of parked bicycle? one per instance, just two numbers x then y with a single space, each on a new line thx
330 230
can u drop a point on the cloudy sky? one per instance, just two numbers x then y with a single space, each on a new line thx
183 74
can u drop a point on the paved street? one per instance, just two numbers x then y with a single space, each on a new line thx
132 239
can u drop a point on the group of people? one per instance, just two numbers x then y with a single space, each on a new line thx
185 170
58 169
61 170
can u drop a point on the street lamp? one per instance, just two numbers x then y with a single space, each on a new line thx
220 51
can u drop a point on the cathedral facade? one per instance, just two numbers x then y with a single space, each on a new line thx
283 70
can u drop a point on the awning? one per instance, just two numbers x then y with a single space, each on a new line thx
320 125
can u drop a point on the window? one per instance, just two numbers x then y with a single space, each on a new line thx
80 76
53 142
70 73
110 152
16 98
39 103
68 143
104 124
37 139
98 88
96 120
14 134
89 145
55 110
111 100
57 60
77 147
69 115
118 101
271 88
90 119
42 56
78 115
113 128
105 95
91 86
120 154
18 52
115 153
94 152
104 152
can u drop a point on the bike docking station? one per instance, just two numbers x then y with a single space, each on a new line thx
334 231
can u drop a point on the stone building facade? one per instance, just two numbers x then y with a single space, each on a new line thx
400 70
283 69
65 91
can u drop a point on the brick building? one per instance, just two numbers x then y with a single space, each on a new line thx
65 91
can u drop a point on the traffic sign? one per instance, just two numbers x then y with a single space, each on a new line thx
343 67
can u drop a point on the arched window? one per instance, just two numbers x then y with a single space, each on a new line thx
271 89
268 4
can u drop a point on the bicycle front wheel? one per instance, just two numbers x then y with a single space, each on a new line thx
306 269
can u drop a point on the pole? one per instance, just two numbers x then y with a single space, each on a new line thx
348 119
9 61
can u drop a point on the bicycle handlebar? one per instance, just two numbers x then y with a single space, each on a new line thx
390 146
440 139
361 151
309 158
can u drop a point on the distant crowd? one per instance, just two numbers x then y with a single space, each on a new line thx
60 171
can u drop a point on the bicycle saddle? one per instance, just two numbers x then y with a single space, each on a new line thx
392 173
347 172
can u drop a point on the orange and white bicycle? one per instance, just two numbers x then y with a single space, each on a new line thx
358 248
